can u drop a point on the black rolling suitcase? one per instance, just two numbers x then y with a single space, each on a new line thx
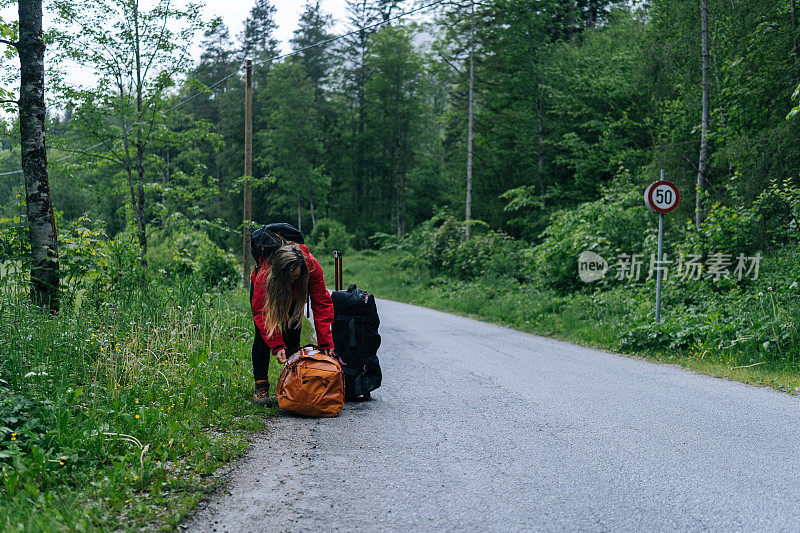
355 336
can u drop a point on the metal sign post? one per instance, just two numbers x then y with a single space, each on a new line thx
658 271
662 197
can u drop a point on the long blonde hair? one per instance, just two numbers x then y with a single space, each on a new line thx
280 307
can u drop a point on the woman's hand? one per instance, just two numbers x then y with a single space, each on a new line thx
280 356
329 352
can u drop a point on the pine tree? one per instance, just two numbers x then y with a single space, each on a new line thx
361 18
258 37
393 108
312 30
289 143
316 60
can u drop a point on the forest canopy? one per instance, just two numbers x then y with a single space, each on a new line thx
370 130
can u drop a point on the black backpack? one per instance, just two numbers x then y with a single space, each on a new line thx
266 239
356 340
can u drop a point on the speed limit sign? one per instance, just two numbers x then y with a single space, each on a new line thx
662 196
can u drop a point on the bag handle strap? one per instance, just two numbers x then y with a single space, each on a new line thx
337 262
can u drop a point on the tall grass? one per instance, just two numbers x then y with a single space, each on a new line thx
115 413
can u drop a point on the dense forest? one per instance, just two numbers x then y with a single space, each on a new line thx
463 153
370 130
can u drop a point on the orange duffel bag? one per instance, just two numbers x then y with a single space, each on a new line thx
311 384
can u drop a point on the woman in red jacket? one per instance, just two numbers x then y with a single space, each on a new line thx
278 291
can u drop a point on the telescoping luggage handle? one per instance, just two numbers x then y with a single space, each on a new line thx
337 265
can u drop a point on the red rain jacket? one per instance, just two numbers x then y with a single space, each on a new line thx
321 303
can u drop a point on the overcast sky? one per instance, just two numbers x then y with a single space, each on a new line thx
234 12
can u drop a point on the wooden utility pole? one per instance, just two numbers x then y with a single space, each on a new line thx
41 222
471 99
139 204
701 167
248 170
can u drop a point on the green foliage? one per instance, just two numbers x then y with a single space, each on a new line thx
217 267
739 325
600 106
179 252
330 235
14 243
84 257
617 223
121 411
769 223
796 109
440 245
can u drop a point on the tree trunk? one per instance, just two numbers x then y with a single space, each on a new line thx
299 215
701 167
405 155
539 133
593 13
247 193
358 175
41 221
401 205
571 23
138 207
794 28
536 74
128 163
387 166
470 105
311 206
163 196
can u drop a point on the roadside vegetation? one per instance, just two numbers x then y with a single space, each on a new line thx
741 329
116 413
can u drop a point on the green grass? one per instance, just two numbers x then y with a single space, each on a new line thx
618 319
117 415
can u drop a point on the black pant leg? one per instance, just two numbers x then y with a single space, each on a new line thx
291 337
260 357
260 353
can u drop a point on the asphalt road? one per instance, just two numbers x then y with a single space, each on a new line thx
479 427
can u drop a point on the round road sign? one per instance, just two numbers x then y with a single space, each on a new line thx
662 196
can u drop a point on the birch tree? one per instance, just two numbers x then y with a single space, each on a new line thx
39 204
703 163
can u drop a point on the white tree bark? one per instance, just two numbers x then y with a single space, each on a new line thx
702 166
470 105
41 221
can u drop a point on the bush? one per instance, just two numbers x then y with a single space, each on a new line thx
608 227
217 267
442 245
330 235
770 223
14 244
179 252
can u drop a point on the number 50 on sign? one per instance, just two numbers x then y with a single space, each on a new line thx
662 196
